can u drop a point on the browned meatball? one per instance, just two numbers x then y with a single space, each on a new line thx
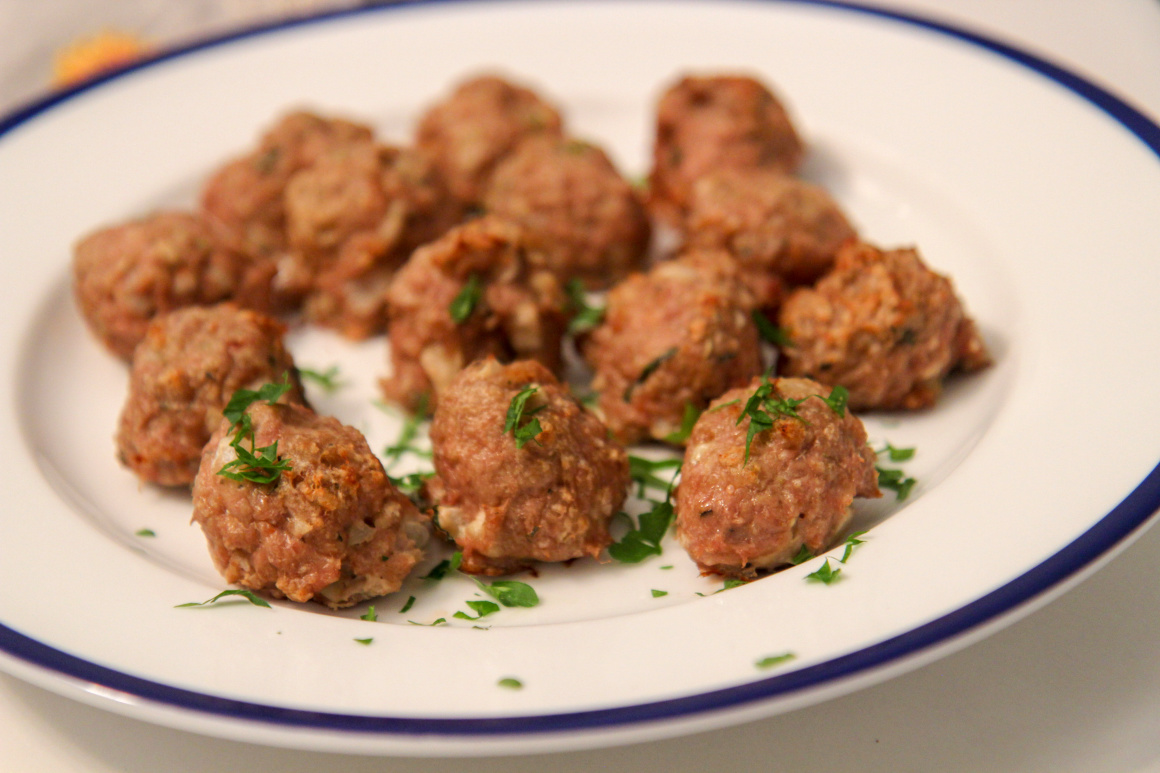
771 222
737 516
126 274
330 528
184 372
576 205
714 122
507 303
243 200
478 124
352 218
882 325
675 337
508 502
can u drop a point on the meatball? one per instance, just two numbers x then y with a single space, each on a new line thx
771 222
508 499
882 325
243 200
716 122
478 124
576 205
189 364
478 290
671 341
352 218
742 510
124 275
331 527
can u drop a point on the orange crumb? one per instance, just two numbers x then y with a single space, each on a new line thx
92 55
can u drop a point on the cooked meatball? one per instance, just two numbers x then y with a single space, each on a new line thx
714 122
575 205
506 304
675 337
125 275
771 222
478 124
737 516
882 325
331 528
184 372
506 501
352 218
243 200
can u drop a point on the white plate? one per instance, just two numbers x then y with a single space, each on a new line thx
1036 191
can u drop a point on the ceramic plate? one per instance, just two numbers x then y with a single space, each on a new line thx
1034 190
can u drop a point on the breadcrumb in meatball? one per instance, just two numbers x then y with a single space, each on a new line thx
714 122
771 222
576 206
184 372
478 290
672 340
472 129
124 275
509 496
243 200
331 528
884 326
743 510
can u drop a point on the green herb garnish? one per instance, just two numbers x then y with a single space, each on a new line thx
826 574
438 621
406 607
327 379
774 660
645 540
584 316
412 483
242 399
482 609
466 300
648 370
444 567
642 471
511 683
145 533
852 542
897 454
688 419
732 582
769 332
763 409
895 481
370 615
249 595
656 594
804 554
405 443
510 593
366 641
518 422
253 464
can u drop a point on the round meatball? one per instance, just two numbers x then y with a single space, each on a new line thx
352 218
771 222
331 527
540 488
743 510
127 274
714 122
882 325
184 373
576 205
478 124
243 200
479 290
671 341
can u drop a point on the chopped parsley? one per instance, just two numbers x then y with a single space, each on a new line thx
365 642
407 607
645 540
510 593
444 567
732 582
895 480
648 370
253 464
804 554
510 683
327 379
827 575
688 419
464 303
370 615
584 316
518 421
643 472
769 332
405 443
410 484
853 541
763 409
249 595
770 661
897 454
481 608
656 594
145 533
437 621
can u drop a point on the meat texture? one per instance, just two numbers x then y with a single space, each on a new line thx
184 372
738 516
332 528
352 218
477 125
711 122
772 223
124 275
507 506
672 340
244 200
577 207
478 290
884 326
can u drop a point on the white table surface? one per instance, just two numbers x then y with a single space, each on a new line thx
1074 686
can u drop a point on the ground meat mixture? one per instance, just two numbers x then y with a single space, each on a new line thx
714 122
125 275
331 528
671 341
506 505
882 325
184 372
771 222
738 516
508 305
587 218
243 200
352 218
478 124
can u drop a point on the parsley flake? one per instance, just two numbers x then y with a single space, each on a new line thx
585 317
464 303
482 609
852 542
407 607
656 594
827 575
688 419
253 464
510 683
894 480
769 332
370 615
647 371
249 595
517 421
327 379
145 533
897 454
770 661
405 443
510 593
804 554
645 540
365 642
